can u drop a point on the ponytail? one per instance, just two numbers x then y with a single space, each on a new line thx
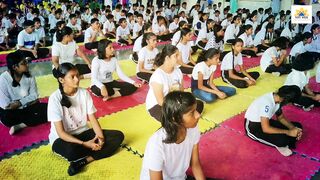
183 32
168 50
207 54
146 37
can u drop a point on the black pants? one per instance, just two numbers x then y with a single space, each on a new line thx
249 53
31 116
110 36
236 82
92 45
125 88
135 57
82 69
156 111
72 151
255 132
262 47
166 37
144 76
201 44
79 39
306 102
41 53
282 69
187 70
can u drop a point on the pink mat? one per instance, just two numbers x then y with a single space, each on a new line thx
314 85
225 154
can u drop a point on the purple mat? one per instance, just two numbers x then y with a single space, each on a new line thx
226 154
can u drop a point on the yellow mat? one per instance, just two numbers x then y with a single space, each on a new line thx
43 164
48 84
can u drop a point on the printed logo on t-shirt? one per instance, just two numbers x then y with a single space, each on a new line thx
108 75
266 109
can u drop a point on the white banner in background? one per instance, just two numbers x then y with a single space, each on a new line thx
301 14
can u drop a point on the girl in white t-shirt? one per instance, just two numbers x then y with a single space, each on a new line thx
300 76
232 30
172 149
281 134
185 47
103 66
70 108
146 28
65 49
146 56
166 78
248 47
241 79
19 105
274 58
177 35
205 34
216 41
202 85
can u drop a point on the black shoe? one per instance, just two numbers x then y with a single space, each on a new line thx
76 166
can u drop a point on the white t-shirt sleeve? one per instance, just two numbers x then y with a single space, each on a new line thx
122 76
33 92
20 39
154 159
266 111
90 107
55 50
55 112
95 73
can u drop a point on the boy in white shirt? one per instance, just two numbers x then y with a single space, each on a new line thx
109 28
76 28
39 30
91 34
174 25
137 27
123 33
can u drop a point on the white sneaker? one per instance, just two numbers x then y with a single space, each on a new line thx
276 74
16 128
285 151
307 109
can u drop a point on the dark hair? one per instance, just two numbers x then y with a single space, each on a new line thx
66 30
313 27
146 37
109 16
28 23
269 26
59 24
289 93
145 27
184 32
36 19
121 20
140 15
175 105
304 61
102 44
93 20
168 50
307 35
281 42
181 24
216 29
62 71
13 59
58 11
207 54
72 16
236 41
235 18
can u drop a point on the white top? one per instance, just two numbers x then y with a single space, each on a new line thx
266 59
25 93
158 29
136 29
173 27
314 46
259 37
298 48
3 35
185 50
108 27
74 118
205 70
88 34
122 33
66 53
225 23
213 44
253 24
75 28
247 40
176 38
231 32
203 34
146 57
279 24
101 72
27 40
137 44
286 32
227 61
53 22
298 78
40 33
169 82
264 106
172 159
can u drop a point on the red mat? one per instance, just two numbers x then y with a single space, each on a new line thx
226 154
314 85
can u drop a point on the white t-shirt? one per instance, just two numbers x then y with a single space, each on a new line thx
158 29
25 93
176 38
74 118
3 35
40 33
225 23
88 34
146 57
259 37
264 106
247 40
27 40
205 70
298 78
231 32
108 27
137 44
185 50
169 82
101 72
213 44
227 61
173 27
298 48
75 28
136 29
203 34
266 59
172 159
66 53
122 33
